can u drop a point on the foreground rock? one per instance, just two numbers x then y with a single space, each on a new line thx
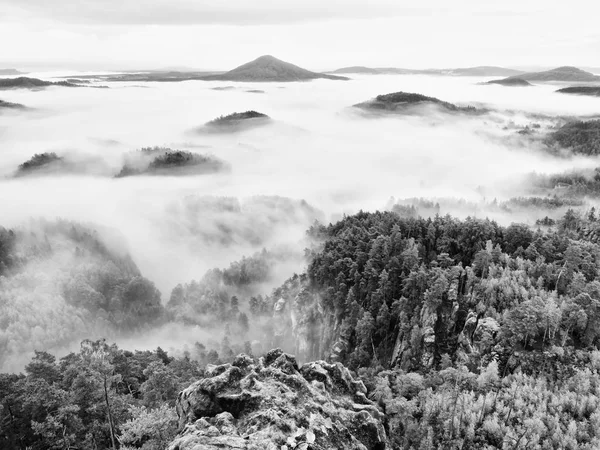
274 404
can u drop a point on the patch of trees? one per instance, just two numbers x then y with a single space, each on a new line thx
98 398
39 161
4 104
237 116
581 137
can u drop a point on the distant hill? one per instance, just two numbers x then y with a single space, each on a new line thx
4 104
401 101
359 70
513 82
564 73
30 83
485 71
479 71
269 68
42 163
236 122
10 72
165 161
581 90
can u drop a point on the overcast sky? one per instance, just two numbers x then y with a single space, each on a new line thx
316 34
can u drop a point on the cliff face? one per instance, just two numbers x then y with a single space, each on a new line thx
274 404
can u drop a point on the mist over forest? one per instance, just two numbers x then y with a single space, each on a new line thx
437 249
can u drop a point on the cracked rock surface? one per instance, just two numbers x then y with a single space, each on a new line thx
274 404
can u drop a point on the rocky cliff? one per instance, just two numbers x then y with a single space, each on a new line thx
273 403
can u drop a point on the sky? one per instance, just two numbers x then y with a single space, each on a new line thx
317 34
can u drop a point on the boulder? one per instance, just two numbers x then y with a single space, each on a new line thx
273 403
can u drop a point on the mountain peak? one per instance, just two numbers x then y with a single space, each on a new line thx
269 68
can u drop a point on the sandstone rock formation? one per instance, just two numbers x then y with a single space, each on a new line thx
274 404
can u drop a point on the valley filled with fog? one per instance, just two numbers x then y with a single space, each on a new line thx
317 159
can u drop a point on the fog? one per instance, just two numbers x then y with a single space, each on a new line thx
318 149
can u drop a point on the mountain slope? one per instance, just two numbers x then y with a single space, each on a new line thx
269 68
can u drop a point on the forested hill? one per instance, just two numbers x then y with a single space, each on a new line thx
465 333
420 293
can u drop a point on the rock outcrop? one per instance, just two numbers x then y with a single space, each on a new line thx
274 404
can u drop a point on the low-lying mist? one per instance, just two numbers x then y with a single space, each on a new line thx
318 159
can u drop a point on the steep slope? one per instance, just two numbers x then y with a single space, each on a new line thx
564 73
269 68
274 404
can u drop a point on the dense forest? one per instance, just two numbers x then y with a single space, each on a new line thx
466 334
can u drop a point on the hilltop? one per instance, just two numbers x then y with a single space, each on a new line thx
401 101
564 73
269 68
236 121
581 90
165 161
513 82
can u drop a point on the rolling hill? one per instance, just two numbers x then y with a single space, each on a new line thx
564 73
478 71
